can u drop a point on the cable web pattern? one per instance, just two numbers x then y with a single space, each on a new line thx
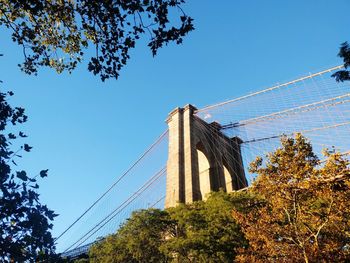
114 206
315 105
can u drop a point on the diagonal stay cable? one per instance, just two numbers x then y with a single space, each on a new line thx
87 246
115 183
302 131
296 110
158 201
269 89
116 211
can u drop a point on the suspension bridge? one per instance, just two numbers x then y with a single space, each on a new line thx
227 137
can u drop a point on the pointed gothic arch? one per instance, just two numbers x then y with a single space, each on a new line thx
201 158
203 171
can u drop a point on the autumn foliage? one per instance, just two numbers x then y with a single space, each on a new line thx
302 210
297 210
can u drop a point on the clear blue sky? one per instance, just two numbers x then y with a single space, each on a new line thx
87 132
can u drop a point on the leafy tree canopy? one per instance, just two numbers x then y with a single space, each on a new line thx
301 213
205 231
57 33
296 211
344 53
198 232
25 223
138 240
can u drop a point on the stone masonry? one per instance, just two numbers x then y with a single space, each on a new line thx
201 159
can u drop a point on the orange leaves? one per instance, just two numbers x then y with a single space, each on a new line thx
305 217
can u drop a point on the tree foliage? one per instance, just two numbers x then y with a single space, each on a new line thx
301 213
205 231
297 210
138 240
344 53
24 222
198 232
57 33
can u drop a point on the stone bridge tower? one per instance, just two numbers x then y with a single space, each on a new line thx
201 159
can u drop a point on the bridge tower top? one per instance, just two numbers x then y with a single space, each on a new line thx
201 158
